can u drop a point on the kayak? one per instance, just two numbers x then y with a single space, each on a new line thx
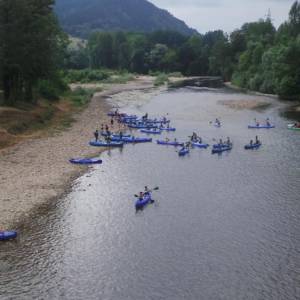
136 140
7 235
105 144
167 129
85 161
253 146
261 126
169 143
221 149
292 127
157 121
183 152
142 126
224 145
151 131
200 145
141 203
129 117
103 133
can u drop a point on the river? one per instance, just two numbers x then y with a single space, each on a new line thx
222 227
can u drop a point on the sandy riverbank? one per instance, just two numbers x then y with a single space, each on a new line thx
36 172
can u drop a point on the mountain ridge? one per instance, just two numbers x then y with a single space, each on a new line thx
82 17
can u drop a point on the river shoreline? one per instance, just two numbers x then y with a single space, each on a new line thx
36 173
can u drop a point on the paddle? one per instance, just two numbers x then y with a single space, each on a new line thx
151 190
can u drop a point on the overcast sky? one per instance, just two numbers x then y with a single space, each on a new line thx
205 15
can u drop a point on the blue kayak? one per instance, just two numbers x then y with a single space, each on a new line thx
221 149
169 143
7 235
142 126
141 203
261 126
167 129
114 134
105 144
183 152
155 121
149 131
200 145
222 145
136 140
252 146
85 161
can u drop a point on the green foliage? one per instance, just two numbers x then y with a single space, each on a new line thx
52 89
31 47
255 57
86 76
80 97
161 79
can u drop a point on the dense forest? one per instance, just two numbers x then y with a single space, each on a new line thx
34 56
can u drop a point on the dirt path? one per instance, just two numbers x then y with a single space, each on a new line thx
36 172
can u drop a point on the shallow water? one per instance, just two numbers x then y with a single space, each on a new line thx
223 226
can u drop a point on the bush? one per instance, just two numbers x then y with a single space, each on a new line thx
161 79
175 74
47 90
80 96
86 76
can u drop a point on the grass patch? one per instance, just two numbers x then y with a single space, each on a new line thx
80 96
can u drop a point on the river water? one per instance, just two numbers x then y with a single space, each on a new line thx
223 226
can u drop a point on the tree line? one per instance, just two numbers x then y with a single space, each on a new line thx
256 56
33 51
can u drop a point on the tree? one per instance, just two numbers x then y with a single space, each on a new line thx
31 46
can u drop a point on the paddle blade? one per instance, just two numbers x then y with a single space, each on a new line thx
156 188
136 196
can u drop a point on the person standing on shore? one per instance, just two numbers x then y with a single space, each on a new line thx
96 134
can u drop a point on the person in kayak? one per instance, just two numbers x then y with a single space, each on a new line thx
175 140
96 134
251 142
268 122
257 141
194 137
199 140
220 143
187 145
141 196
217 122
147 191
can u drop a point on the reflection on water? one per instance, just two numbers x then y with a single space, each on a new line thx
222 227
